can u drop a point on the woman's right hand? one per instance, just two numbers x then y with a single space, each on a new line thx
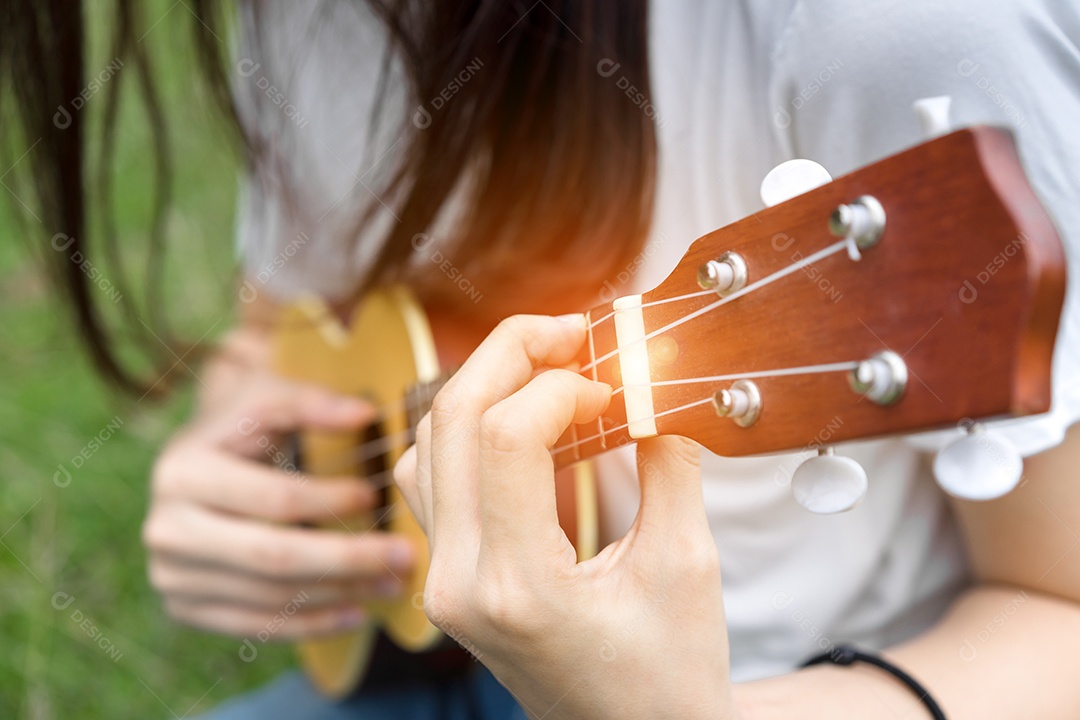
225 549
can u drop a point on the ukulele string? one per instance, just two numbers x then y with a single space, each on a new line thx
384 479
373 448
359 454
651 303
570 446
781 372
752 287
804 370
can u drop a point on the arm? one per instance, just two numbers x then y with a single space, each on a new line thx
504 582
1006 649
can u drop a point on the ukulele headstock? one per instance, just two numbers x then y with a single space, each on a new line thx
950 313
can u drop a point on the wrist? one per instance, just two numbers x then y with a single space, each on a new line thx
825 693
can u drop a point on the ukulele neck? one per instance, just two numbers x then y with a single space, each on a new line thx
600 361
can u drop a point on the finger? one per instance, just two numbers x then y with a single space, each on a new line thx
290 622
517 485
237 485
203 584
412 474
273 551
669 471
283 406
503 363
291 405
672 510
424 484
405 479
508 357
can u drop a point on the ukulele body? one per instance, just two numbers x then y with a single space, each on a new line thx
387 355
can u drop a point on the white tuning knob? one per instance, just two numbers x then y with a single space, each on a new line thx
790 179
829 483
982 465
933 115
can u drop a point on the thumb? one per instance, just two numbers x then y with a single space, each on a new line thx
669 472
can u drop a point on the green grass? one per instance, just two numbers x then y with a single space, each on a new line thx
81 538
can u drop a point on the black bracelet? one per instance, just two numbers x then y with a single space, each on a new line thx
846 655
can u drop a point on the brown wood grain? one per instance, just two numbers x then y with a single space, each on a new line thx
966 285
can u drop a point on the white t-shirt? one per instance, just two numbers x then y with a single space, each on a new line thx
739 86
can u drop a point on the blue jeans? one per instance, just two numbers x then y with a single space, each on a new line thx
475 696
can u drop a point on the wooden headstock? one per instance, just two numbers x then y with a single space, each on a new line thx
965 286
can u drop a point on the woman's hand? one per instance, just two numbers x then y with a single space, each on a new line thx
224 550
636 632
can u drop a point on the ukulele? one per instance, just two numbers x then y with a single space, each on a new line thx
867 299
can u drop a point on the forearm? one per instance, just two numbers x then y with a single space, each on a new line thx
1000 652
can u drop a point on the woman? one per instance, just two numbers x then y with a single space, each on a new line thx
536 145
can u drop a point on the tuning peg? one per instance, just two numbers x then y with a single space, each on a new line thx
741 403
726 275
790 179
982 465
933 115
828 483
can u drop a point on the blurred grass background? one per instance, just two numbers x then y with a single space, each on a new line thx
70 551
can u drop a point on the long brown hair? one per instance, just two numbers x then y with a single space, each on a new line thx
560 162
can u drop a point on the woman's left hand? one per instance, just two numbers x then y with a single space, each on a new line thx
636 632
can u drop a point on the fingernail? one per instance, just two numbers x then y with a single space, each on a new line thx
400 556
388 587
351 617
572 319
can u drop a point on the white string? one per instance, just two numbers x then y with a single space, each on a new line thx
806 370
592 356
676 298
781 372
573 445
370 449
853 248
763 282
